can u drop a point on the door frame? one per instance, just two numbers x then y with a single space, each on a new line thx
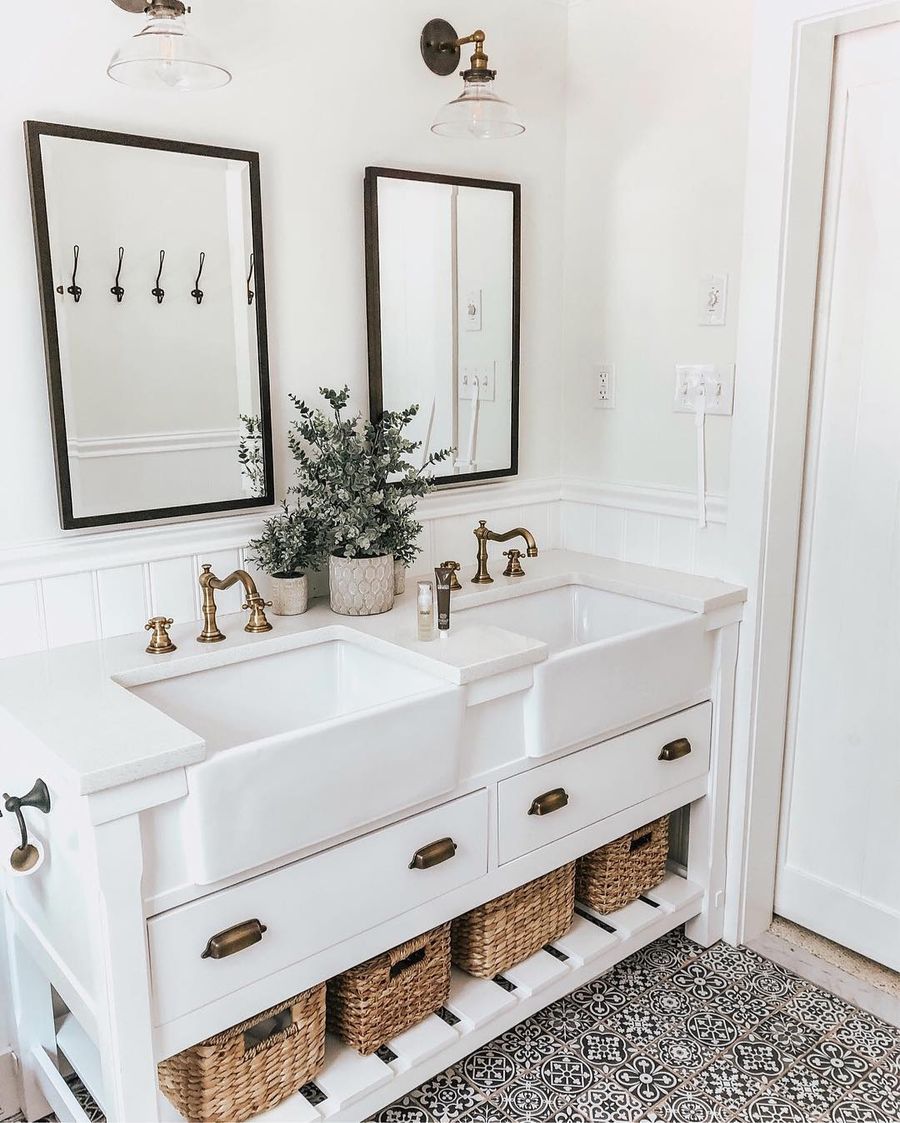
790 105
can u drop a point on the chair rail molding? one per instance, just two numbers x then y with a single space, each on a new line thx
83 586
790 101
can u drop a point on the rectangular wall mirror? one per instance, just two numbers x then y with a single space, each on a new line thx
150 261
443 275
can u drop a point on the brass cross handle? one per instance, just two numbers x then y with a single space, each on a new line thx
160 642
514 568
454 566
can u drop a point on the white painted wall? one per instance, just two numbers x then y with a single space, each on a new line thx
657 109
318 118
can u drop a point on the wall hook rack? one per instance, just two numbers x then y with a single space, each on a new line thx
250 292
196 291
158 292
117 290
74 289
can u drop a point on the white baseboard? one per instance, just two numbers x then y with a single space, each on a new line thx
9 1085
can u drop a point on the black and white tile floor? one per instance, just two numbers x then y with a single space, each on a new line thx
675 1034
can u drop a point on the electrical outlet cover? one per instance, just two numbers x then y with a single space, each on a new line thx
604 396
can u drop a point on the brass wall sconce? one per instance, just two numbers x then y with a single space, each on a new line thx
478 112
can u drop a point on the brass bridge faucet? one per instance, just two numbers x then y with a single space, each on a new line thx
254 602
481 532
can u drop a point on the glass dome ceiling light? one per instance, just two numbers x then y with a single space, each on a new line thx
164 55
478 112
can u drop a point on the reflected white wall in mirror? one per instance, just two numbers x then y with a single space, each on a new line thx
153 391
448 318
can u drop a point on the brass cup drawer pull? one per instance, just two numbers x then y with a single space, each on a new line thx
433 854
675 750
549 802
233 940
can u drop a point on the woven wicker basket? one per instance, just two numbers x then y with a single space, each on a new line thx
252 1066
371 1003
618 873
495 936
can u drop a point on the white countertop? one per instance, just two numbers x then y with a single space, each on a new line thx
75 702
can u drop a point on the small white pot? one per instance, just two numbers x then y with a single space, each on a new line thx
290 594
399 578
361 586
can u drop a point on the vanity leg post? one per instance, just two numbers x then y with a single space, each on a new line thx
126 1033
709 816
33 1025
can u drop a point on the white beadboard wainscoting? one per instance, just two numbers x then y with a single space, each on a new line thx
79 588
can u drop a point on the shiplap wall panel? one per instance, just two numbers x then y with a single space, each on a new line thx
639 526
123 601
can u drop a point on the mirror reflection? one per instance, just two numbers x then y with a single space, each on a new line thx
443 258
153 301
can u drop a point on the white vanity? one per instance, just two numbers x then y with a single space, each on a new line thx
290 778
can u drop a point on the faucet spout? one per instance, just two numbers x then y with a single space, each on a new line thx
209 583
485 535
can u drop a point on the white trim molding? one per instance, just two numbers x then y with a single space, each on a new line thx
151 444
793 52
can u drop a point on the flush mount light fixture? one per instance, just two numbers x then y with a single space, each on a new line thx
164 55
478 112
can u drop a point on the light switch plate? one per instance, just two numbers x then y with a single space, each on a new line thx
472 310
714 384
712 300
485 374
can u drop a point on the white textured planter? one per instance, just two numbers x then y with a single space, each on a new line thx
290 594
361 586
399 578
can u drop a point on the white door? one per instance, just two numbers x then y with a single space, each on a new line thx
839 859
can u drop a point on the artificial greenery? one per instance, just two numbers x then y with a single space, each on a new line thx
356 478
291 542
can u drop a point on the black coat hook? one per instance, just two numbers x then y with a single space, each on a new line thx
117 290
250 293
196 291
74 289
158 292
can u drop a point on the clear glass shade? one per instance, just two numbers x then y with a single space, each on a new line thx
478 113
165 56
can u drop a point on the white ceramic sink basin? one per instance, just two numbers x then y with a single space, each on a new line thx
304 745
613 660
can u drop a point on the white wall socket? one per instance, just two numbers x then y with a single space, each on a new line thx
695 382
604 386
484 374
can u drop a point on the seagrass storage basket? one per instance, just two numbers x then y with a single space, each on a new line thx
503 932
618 873
371 1003
252 1066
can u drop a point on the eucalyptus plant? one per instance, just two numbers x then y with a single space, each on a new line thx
291 543
356 477
250 454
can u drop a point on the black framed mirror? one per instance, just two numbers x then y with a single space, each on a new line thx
443 278
153 296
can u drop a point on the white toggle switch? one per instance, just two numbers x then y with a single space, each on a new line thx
472 310
713 300
482 375
711 385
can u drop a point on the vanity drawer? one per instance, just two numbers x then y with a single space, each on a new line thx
559 798
312 904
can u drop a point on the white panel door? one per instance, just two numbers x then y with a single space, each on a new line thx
839 862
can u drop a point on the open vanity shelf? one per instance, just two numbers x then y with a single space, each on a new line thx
352 1087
